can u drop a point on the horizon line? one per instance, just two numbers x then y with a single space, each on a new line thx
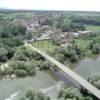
18 9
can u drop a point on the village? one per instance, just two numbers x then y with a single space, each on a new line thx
49 55
39 30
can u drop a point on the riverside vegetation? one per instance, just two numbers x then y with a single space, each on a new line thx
24 62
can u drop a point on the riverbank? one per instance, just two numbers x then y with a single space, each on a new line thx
41 81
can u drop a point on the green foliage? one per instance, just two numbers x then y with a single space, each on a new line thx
93 28
46 45
70 93
45 65
19 55
12 42
30 95
9 44
74 58
66 25
25 54
88 98
31 68
21 68
20 73
91 20
95 79
60 57
33 95
18 29
96 48
11 52
22 98
3 54
71 53
9 29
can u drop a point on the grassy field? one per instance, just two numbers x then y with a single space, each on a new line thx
45 45
82 43
93 28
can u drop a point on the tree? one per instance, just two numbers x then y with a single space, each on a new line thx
60 57
95 79
11 52
30 95
12 42
3 54
39 96
33 95
77 26
22 98
78 50
21 68
96 48
31 68
74 58
20 55
18 29
9 29
17 65
88 98
37 56
66 25
45 65
70 93
20 72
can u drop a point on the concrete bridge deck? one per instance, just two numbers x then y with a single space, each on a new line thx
70 73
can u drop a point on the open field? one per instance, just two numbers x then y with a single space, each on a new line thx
93 28
82 43
46 45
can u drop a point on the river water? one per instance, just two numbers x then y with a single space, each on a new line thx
13 89
88 66
45 81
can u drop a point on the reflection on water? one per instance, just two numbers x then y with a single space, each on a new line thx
88 66
8 87
13 96
53 91
46 81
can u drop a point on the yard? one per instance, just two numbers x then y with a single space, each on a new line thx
46 45
82 43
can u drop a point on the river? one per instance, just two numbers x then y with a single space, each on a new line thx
13 89
48 82
88 66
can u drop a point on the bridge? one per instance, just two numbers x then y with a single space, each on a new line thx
70 73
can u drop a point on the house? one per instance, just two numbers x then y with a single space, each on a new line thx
32 27
45 28
86 33
75 34
44 37
62 37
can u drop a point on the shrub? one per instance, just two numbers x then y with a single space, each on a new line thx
31 68
96 48
20 73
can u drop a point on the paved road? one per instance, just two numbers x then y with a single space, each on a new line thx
69 72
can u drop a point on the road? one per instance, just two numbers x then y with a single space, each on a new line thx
69 72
